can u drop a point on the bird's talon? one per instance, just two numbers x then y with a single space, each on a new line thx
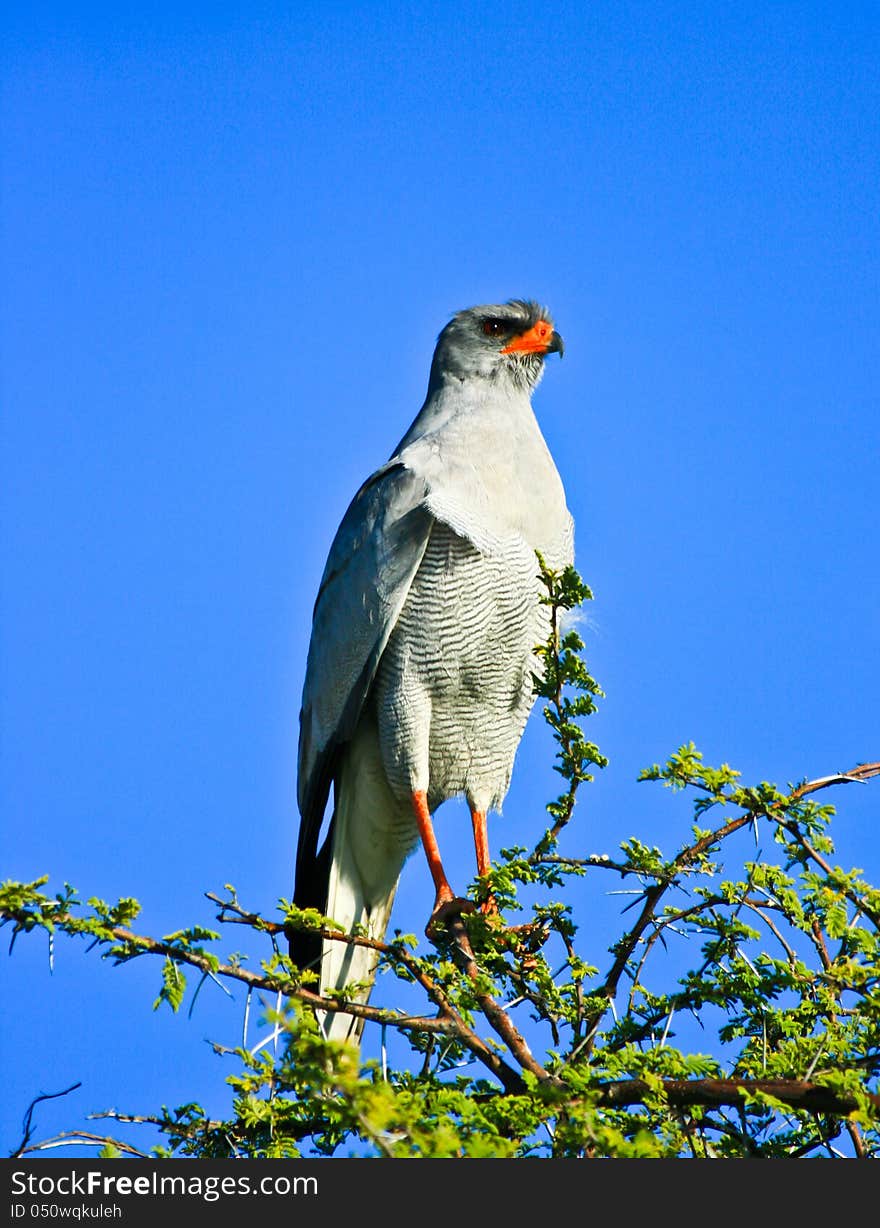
445 911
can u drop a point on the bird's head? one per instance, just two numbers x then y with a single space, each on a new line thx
505 341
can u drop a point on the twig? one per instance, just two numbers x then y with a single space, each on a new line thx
27 1123
83 1138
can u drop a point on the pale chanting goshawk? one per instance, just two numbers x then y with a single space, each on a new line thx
419 676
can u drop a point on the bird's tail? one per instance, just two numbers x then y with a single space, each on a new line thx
371 836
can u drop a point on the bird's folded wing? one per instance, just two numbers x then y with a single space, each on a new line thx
375 554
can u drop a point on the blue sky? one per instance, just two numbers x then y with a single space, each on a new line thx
228 243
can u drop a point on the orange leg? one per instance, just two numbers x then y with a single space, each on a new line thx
481 841
432 852
481 844
446 903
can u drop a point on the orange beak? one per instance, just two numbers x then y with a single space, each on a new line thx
540 339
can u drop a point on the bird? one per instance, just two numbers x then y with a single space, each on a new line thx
421 662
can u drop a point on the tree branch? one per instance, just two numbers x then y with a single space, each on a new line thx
715 1093
496 1015
690 854
27 1124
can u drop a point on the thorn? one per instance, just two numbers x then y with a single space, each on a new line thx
247 1014
666 1029
815 1060
277 1032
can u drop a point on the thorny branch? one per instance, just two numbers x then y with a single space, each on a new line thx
691 854
449 1022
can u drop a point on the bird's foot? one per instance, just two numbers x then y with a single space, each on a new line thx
446 910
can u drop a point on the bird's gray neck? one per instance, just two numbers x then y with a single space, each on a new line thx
478 405
481 454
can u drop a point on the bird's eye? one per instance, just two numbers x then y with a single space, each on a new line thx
495 328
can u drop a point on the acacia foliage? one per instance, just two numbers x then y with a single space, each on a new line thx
528 1045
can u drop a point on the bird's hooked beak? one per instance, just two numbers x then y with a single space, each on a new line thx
541 338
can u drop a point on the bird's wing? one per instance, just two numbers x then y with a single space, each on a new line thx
375 554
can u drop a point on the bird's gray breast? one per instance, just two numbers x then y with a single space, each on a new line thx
454 686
